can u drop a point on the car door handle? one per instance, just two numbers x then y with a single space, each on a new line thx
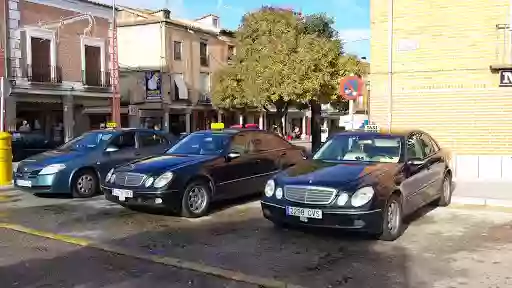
283 153
258 160
137 153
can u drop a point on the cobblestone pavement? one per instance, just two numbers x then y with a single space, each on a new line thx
442 247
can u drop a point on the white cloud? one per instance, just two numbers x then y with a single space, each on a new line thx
354 35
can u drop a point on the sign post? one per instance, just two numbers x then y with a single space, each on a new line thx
351 88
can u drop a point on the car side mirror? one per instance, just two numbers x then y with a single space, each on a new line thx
111 149
232 155
415 162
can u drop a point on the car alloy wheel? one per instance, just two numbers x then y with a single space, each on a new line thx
392 220
196 199
394 216
85 185
446 192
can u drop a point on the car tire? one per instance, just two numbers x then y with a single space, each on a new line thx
85 184
392 219
446 192
196 199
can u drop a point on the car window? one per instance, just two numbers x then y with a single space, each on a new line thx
147 139
124 141
240 143
361 147
427 146
201 143
261 142
414 147
432 142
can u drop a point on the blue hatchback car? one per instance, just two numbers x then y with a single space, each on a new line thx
77 166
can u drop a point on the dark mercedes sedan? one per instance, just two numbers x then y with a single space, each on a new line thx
203 167
359 180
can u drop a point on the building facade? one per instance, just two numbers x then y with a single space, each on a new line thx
57 65
166 78
443 76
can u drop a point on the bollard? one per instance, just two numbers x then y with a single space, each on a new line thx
5 159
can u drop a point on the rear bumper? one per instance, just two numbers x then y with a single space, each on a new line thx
365 221
168 199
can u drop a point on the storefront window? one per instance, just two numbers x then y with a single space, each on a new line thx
151 123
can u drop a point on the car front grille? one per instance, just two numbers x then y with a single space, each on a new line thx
309 194
129 179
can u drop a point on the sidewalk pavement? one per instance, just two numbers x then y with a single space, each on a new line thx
487 193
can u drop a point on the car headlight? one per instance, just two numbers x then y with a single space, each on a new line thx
52 169
270 187
109 175
342 199
362 196
149 181
163 179
279 193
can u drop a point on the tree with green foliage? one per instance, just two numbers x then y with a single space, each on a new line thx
283 59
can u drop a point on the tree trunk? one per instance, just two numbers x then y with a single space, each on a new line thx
316 124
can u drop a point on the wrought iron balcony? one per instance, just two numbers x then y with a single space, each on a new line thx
96 78
44 73
204 98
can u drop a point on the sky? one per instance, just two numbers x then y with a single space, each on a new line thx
352 16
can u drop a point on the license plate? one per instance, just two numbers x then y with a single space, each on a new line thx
122 194
23 183
304 212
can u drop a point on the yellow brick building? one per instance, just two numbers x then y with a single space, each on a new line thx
446 59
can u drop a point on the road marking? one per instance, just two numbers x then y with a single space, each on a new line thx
169 261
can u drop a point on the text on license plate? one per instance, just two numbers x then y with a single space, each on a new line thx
304 212
122 194
23 183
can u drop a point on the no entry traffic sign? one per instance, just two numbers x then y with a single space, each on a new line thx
351 87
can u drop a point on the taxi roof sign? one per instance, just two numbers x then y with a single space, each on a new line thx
372 128
217 126
111 125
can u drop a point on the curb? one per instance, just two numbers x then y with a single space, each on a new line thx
485 202
169 261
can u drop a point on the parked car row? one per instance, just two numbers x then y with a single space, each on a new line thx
357 180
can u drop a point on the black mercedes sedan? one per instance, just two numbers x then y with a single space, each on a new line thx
203 167
358 180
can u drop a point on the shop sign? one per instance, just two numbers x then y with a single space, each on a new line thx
506 78
153 85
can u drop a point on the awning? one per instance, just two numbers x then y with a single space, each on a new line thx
182 87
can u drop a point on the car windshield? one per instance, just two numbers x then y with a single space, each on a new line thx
201 144
88 140
369 147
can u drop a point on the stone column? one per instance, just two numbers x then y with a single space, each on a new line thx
219 116
187 121
166 118
304 121
240 118
260 122
68 117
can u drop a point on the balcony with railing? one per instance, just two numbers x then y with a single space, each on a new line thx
99 79
43 74
204 98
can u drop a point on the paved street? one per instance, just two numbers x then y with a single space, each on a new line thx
444 247
31 261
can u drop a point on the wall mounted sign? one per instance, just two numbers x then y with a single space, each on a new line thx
505 78
153 85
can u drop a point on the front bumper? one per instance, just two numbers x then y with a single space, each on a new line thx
42 184
157 199
365 221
